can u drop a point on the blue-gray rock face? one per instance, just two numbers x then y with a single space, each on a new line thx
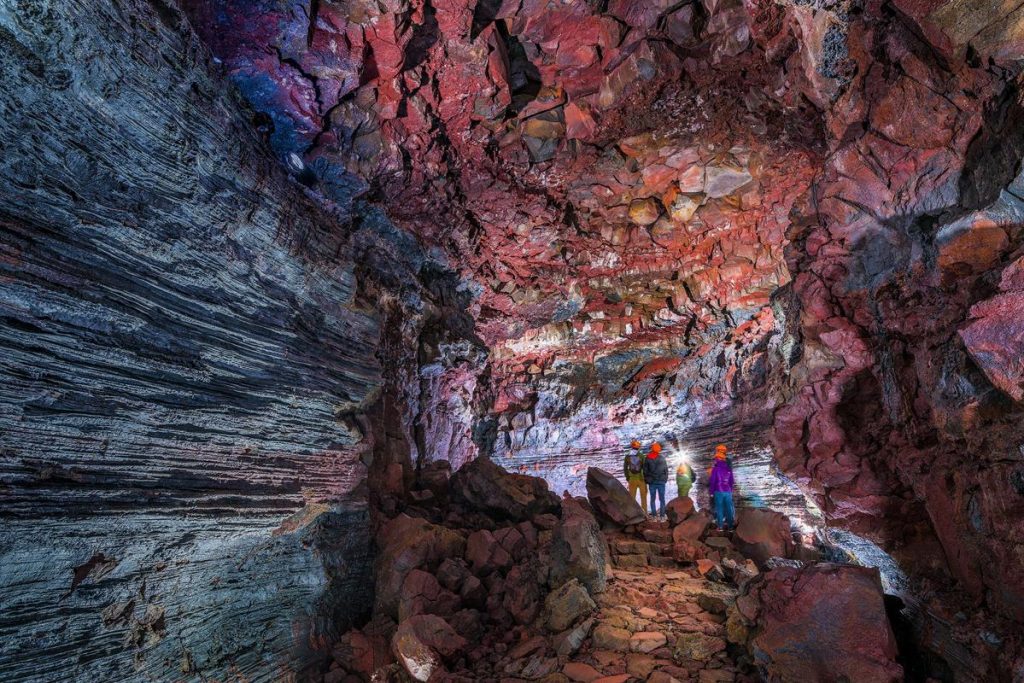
182 354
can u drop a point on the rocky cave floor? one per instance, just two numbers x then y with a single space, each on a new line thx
489 576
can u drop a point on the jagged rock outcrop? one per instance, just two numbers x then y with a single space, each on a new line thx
823 622
610 499
578 550
678 510
485 486
763 534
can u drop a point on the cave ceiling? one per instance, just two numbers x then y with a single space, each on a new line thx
603 176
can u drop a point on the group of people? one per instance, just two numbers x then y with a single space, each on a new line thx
648 474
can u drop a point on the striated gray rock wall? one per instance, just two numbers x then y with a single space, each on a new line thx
181 357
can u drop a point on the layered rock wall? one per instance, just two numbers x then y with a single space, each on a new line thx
182 351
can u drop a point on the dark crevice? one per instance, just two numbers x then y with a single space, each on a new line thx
523 76
424 37
919 664
483 16
314 11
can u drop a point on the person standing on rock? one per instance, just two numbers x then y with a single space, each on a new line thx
633 469
720 486
656 476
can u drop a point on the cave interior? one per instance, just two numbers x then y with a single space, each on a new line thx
327 325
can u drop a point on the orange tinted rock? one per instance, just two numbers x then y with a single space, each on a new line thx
970 246
644 211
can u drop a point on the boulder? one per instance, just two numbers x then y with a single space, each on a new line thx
610 499
683 206
422 643
721 181
484 486
408 543
513 541
761 534
522 593
692 528
608 637
578 549
644 211
568 642
678 509
565 605
422 594
485 554
823 622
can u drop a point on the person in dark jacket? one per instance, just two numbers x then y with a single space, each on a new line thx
656 476
633 470
720 486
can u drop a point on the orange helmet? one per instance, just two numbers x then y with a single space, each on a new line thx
635 443
656 447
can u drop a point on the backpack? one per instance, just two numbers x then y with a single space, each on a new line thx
636 464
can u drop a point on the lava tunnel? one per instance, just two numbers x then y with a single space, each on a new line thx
329 326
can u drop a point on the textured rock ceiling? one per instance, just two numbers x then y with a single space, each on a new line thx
615 184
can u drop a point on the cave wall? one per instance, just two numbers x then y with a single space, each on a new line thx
183 352
902 413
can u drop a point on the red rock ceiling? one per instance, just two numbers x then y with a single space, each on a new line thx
637 186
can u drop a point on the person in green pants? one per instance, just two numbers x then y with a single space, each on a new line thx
685 477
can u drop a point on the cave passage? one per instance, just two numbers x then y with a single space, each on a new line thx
326 326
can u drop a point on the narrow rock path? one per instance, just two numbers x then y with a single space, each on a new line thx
657 623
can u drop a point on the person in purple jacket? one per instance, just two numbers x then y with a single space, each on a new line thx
720 485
